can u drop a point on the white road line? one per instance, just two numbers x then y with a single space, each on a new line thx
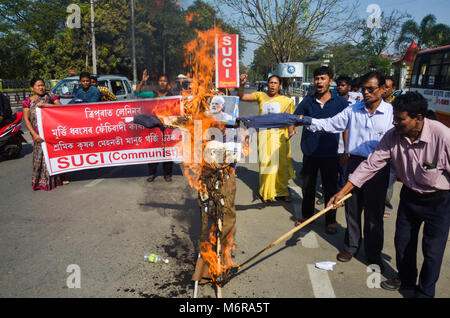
102 178
320 282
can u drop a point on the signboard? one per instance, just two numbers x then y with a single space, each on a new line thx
292 69
85 136
227 61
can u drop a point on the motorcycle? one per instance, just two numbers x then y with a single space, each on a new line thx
11 138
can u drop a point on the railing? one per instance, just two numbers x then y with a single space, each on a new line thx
18 90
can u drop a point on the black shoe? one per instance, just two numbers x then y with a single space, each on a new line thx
395 284
344 256
151 178
168 178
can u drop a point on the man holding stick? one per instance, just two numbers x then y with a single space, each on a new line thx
366 122
419 150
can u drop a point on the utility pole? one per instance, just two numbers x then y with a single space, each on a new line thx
94 51
133 45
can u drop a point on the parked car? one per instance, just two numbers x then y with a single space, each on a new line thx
119 85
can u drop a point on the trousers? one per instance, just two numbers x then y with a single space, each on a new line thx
370 198
328 168
434 213
167 168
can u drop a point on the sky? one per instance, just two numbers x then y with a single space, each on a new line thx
416 8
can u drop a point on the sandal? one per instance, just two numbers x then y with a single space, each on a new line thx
286 198
65 182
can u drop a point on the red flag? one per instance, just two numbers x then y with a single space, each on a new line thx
410 55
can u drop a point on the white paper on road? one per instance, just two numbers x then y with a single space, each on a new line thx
328 266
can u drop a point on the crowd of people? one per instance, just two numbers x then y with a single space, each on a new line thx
361 140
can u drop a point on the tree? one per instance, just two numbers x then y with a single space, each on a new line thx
428 34
376 40
284 26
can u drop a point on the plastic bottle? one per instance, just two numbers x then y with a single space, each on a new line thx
153 258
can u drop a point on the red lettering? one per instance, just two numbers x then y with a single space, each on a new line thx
88 159
63 162
78 164
115 155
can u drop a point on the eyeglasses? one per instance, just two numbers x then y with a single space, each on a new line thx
369 89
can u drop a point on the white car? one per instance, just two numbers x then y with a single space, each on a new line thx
119 85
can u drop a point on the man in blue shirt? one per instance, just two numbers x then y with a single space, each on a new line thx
320 148
86 93
367 122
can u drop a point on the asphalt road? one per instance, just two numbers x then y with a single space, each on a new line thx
105 220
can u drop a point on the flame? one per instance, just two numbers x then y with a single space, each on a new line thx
199 59
208 251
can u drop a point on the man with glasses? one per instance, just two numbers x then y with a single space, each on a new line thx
367 122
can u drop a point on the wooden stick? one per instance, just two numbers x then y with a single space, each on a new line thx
295 229
219 289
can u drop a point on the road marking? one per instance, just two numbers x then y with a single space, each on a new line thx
309 239
102 178
320 281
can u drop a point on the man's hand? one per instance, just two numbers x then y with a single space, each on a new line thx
243 79
334 200
343 159
291 132
338 196
145 75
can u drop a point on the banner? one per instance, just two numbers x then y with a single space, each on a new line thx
227 61
85 136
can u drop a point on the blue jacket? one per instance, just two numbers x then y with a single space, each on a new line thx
320 144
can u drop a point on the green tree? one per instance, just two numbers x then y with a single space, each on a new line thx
284 26
427 34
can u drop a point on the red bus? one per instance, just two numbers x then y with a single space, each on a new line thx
431 78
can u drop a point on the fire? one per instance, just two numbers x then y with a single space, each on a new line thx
208 252
199 54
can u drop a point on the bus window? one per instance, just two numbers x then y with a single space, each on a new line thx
446 58
433 76
445 76
436 59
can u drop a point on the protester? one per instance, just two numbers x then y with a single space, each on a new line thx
355 94
273 176
343 88
139 92
419 150
366 122
86 93
162 91
40 178
320 149
389 88
106 94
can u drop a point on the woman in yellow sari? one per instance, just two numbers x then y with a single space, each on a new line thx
274 148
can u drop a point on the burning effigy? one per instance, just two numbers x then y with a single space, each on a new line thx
209 165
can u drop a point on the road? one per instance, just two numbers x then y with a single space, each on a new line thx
105 220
